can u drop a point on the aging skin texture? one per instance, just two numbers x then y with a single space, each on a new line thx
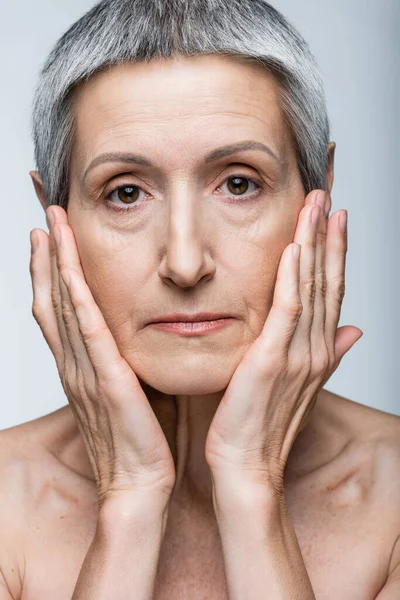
200 235
191 241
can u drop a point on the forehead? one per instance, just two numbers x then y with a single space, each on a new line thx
185 105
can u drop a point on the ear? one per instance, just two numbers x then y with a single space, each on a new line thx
329 166
38 185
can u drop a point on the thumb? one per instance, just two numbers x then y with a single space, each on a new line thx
345 339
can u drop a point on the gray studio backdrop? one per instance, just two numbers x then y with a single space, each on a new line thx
358 48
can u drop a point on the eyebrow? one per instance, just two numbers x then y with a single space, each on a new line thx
129 158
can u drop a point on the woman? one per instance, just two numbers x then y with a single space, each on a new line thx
190 289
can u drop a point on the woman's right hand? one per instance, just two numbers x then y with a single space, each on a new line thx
125 443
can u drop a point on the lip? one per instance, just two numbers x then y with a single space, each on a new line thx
185 318
191 328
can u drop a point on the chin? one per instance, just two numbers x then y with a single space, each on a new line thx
195 376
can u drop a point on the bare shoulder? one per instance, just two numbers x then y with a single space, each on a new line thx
38 462
371 455
371 429
366 435
342 431
26 461
344 484
16 480
36 489
351 452
378 446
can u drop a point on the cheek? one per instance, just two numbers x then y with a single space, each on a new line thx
255 270
114 287
259 283
118 270
277 236
115 271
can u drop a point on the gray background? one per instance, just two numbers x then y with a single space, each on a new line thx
357 46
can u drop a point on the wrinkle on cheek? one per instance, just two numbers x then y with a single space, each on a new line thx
98 243
261 247
112 271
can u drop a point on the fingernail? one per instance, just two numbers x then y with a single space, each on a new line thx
343 221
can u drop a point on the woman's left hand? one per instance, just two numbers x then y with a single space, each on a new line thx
277 382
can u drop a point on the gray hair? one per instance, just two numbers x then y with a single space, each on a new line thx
118 31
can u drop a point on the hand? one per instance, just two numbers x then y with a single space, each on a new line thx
123 438
277 382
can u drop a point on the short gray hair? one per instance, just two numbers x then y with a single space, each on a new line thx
118 31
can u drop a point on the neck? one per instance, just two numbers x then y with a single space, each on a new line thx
185 421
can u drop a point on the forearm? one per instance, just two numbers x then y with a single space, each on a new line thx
123 557
262 556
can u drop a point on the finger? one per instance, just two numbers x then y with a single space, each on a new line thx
42 306
346 337
306 236
70 249
336 249
100 345
286 306
69 358
68 257
319 352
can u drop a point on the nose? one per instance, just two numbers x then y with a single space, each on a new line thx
187 258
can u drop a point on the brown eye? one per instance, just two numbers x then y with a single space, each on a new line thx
125 197
238 185
127 194
238 188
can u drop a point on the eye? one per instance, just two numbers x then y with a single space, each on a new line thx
128 194
239 185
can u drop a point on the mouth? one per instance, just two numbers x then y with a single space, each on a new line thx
186 318
191 328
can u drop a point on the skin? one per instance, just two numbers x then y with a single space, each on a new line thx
176 243
187 233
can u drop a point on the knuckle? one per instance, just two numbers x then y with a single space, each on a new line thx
337 289
68 378
67 312
303 364
309 286
321 362
297 365
293 309
321 282
91 332
55 300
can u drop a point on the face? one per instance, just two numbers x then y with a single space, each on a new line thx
182 230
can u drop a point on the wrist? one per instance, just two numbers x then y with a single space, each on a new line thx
133 510
241 494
